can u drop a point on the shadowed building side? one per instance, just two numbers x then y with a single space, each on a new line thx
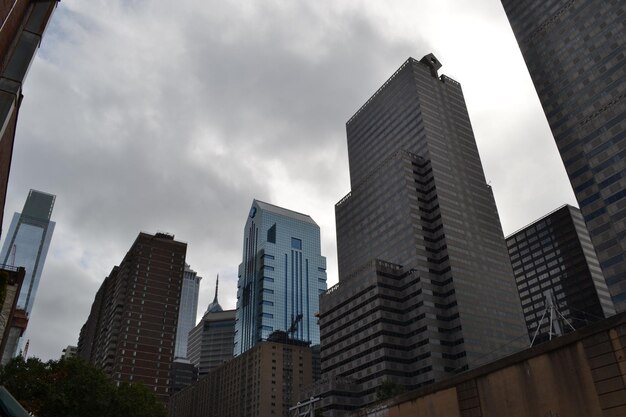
574 51
23 25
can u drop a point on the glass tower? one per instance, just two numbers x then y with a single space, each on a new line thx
27 243
280 278
187 311
574 51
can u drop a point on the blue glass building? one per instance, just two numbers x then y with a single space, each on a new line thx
187 310
280 278
27 244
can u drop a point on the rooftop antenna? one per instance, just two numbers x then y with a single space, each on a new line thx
555 327
304 409
217 283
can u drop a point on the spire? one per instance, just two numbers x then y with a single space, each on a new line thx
215 306
217 283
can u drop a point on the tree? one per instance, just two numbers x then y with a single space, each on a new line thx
389 389
74 388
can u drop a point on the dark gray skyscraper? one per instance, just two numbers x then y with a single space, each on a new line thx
553 258
574 50
440 296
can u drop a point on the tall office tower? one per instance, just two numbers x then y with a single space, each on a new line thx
421 228
574 50
280 278
27 243
554 263
211 341
23 24
187 311
131 329
264 381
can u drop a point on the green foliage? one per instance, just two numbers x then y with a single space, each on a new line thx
73 388
389 389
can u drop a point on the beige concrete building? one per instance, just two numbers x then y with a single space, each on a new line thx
262 382
582 374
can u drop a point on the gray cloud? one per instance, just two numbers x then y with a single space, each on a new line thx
141 116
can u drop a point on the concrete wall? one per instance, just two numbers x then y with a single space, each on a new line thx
579 375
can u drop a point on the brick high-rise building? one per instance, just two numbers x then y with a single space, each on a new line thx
23 24
554 253
264 381
574 51
131 329
425 286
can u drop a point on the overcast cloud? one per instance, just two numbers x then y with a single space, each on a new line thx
144 116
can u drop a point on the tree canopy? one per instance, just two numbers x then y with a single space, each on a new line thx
73 388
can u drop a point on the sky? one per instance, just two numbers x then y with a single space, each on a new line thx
141 116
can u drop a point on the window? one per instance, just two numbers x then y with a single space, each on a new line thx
296 243
271 234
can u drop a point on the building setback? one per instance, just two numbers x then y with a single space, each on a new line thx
26 245
280 278
23 24
187 311
422 258
211 341
574 51
264 381
131 329
555 254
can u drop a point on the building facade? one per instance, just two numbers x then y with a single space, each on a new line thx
23 24
280 278
26 245
69 352
574 51
211 341
13 321
422 258
131 329
554 254
187 311
264 381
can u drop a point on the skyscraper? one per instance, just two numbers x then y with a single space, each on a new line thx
27 243
211 341
23 24
574 50
280 278
187 311
131 328
425 286
554 262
